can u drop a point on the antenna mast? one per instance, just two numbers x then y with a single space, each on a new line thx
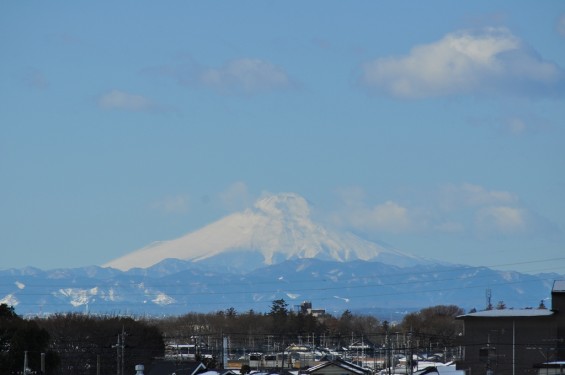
488 296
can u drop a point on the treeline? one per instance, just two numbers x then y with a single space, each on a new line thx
430 327
79 344
75 343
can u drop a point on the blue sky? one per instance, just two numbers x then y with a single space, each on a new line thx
436 127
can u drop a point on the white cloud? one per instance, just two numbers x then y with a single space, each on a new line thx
491 60
454 197
464 209
389 216
501 219
473 209
245 76
178 204
117 99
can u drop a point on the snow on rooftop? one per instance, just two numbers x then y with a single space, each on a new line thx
510 313
559 286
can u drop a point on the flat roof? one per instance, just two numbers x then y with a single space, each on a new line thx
508 313
559 286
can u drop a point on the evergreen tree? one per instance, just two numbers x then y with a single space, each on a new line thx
279 316
18 336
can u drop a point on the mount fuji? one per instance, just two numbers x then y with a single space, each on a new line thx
278 228
248 259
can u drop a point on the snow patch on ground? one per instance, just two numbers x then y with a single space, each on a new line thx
79 297
163 299
10 300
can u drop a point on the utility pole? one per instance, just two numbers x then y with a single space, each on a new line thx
123 346
411 358
513 347
224 351
388 353
25 362
120 355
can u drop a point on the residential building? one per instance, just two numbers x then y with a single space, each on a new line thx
306 308
514 341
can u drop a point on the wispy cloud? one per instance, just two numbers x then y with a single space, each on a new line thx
177 204
389 216
121 100
453 197
482 211
457 209
501 220
246 76
236 196
490 60
514 124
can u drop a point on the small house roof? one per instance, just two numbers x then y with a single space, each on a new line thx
180 368
351 367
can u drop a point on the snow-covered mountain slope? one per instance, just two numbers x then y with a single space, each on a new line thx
278 228
182 287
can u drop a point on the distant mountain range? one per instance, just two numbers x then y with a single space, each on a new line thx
274 251
175 287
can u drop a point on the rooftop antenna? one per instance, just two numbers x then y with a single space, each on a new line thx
489 295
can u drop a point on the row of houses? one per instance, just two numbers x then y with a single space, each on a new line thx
495 341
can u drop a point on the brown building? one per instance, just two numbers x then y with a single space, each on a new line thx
514 341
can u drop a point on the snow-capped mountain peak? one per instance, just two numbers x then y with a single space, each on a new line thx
278 228
286 204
